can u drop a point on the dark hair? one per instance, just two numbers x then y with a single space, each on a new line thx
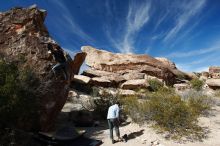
117 102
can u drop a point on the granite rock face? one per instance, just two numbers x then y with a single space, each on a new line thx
25 39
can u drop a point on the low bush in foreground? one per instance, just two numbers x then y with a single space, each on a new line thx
169 112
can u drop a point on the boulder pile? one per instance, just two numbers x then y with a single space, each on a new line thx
126 71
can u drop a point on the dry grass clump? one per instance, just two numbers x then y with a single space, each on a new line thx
217 93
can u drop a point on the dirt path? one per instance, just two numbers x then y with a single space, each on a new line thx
144 135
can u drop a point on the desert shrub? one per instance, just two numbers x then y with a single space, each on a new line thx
102 103
18 103
196 84
135 109
155 85
169 111
198 101
217 93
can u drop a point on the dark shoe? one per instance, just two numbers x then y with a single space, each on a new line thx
113 141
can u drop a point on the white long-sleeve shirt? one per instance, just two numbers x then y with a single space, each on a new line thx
113 112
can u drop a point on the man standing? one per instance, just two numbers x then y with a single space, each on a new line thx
113 121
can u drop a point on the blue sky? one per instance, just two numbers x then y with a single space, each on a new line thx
184 31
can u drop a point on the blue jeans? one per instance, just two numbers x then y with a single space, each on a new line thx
114 123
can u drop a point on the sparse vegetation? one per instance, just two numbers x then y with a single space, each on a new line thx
196 84
155 85
217 93
169 111
17 100
102 104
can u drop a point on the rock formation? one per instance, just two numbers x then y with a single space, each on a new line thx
25 39
116 68
213 83
214 72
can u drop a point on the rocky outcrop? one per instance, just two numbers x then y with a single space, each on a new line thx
214 69
214 72
167 62
129 66
25 40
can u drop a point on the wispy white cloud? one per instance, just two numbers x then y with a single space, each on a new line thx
191 68
199 64
137 17
68 21
194 52
187 12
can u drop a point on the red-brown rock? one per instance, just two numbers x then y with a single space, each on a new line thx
24 39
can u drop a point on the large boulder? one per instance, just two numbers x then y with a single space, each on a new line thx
122 63
25 40
213 83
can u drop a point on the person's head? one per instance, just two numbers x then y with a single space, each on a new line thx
118 103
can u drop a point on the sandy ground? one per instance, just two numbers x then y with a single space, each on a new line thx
144 135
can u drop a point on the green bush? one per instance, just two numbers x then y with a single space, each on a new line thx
155 85
18 103
196 84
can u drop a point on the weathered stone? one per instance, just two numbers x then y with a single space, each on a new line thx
213 83
25 40
96 81
215 75
205 74
214 69
95 73
166 62
192 75
135 84
77 62
123 63
148 77
115 78
133 75
214 72
81 79
181 87
126 92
